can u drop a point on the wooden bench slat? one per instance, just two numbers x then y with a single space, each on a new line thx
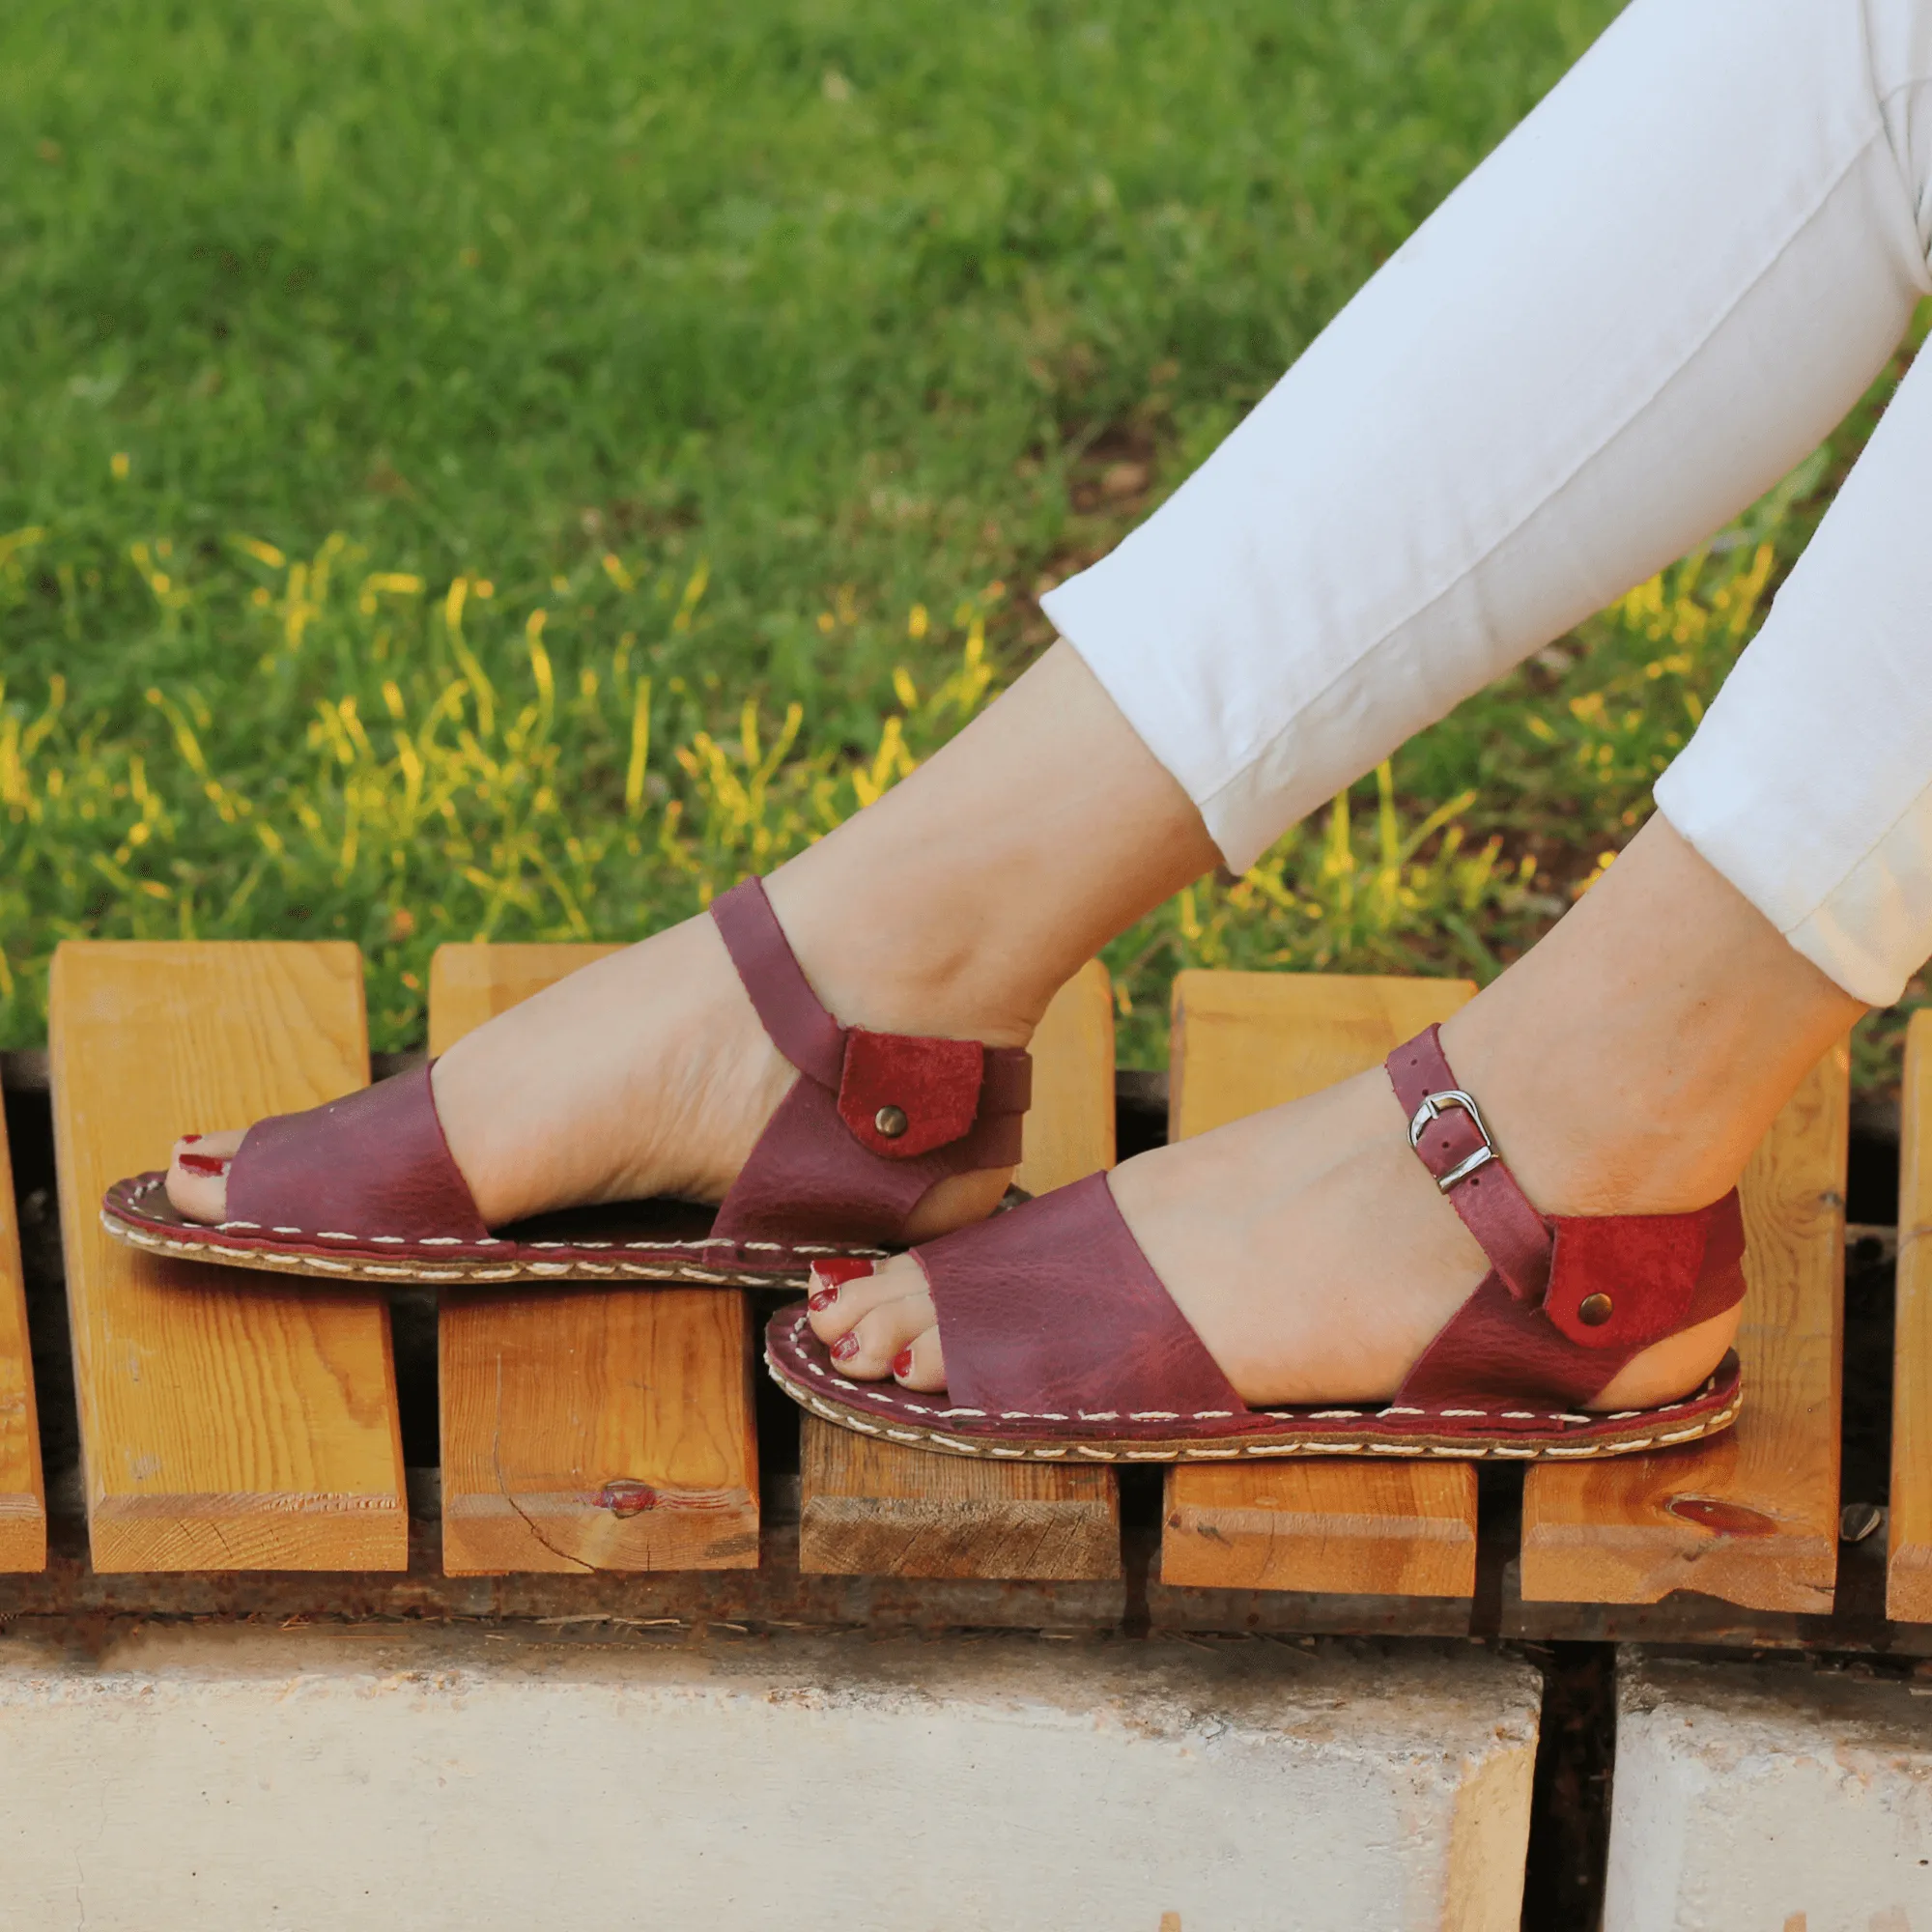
1241 1042
229 1420
1909 1557
1751 1515
870 1508
875 1508
585 1428
23 1500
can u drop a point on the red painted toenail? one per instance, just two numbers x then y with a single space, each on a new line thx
835 1274
845 1348
202 1163
902 1361
822 1301
188 1139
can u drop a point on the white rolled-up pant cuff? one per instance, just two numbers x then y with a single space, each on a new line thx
1861 935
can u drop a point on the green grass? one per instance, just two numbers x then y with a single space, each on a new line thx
509 470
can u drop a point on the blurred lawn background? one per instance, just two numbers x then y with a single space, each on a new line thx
507 471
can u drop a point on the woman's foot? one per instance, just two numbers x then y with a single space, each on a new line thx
1628 1065
644 1074
935 911
1307 1247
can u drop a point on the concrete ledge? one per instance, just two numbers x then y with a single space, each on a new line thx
1768 1795
349 1775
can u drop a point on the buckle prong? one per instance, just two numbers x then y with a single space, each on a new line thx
1433 1107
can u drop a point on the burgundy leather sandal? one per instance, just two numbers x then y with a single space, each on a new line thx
1062 1344
364 1188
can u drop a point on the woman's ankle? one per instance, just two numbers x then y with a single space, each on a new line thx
1590 1145
914 962
1632 1061
961 902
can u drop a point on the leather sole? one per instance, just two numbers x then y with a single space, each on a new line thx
800 1365
664 1241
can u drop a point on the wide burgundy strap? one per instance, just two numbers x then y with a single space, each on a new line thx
1052 1310
372 1165
877 1117
1447 1132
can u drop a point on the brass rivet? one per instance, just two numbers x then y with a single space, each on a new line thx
892 1122
1593 1310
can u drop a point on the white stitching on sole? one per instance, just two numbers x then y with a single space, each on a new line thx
1234 1449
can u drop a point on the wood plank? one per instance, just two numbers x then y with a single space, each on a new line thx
870 1508
229 1420
1908 1593
1752 1515
585 1428
1240 1043
24 1499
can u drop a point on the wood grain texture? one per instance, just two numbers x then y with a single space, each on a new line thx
23 1501
230 1420
585 1428
1240 1043
1908 1594
870 1508
1751 1516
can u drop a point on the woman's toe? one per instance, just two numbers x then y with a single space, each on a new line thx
868 1350
198 1174
839 1294
918 1366
877 1320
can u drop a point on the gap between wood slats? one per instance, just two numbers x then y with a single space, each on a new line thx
1908 1560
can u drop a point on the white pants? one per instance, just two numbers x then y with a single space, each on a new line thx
1659 293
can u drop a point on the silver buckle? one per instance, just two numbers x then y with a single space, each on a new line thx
1433 1107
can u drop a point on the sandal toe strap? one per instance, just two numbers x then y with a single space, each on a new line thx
371 1166
1053 1314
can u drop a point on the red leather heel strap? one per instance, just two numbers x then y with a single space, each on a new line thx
1569 1298
1447 1132
877 1117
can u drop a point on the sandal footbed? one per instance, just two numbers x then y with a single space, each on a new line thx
646 1241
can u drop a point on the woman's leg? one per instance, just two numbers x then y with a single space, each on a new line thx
949 913
1641 310
1630 1061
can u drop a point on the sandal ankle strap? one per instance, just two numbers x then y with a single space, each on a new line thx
1452 1140
901 1094
788 1009
913 1110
